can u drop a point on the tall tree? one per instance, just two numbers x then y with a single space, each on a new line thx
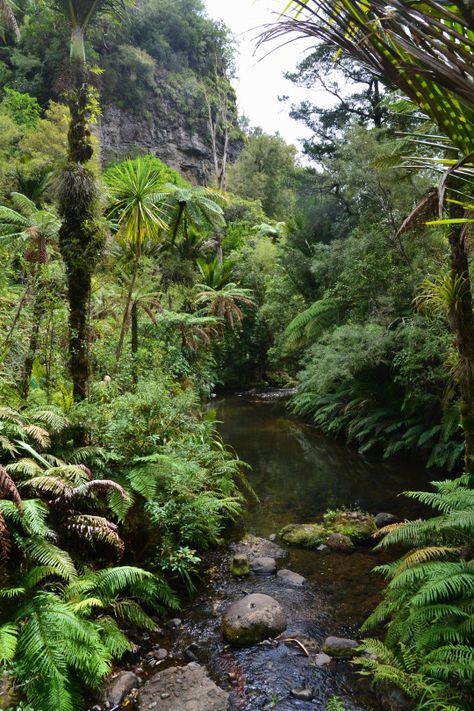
137 202
426 49
79 237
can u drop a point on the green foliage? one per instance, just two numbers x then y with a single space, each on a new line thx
22 108
428 603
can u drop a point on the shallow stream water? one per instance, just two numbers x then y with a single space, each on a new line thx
297 474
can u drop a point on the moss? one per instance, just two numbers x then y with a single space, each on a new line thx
356 525
308 535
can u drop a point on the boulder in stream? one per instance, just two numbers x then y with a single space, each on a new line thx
183 688
385 519
291 578
307 535
117 688
339 647
263 566
355 525
339 542
239 565
252 619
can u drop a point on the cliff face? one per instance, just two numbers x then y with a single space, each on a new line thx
170 116
167 134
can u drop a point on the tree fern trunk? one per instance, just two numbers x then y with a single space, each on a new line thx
79 241
134 342
463 326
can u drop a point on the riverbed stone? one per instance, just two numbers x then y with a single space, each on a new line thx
186 688
239 565
116 689
302 694
288 576
356 525
252 619
385 519
263 566
339 647
322 659
339 542
307 535
257 547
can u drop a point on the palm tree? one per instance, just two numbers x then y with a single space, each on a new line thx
215 274
425 49
136 202
38 226
80 239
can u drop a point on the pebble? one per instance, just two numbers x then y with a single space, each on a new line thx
174 623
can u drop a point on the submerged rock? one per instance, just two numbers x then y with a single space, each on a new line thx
339 647
264 566
339 542
253 619
117 688
180 688
239 565
288 576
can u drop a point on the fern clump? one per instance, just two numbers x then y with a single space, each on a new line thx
428 605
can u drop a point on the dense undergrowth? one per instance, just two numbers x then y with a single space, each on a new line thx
127 296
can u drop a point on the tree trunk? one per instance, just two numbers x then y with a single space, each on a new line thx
126 315
38 313
134 342
462 322
79 240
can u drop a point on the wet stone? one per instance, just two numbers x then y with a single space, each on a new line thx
288 576
239 565
252 619
181 688
302 694
385 519
339 647
117 688
264 566
322 660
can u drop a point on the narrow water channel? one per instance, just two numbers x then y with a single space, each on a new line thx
297 474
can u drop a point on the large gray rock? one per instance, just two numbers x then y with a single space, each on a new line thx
288 576
339 647
183 689
254 618
263 566
117 688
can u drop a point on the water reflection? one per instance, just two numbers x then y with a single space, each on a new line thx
298 473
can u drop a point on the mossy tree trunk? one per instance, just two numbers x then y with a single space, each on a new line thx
79 238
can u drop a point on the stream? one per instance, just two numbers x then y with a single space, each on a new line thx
297 474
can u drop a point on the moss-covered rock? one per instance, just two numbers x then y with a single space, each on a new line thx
307 535
356 526
239 565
